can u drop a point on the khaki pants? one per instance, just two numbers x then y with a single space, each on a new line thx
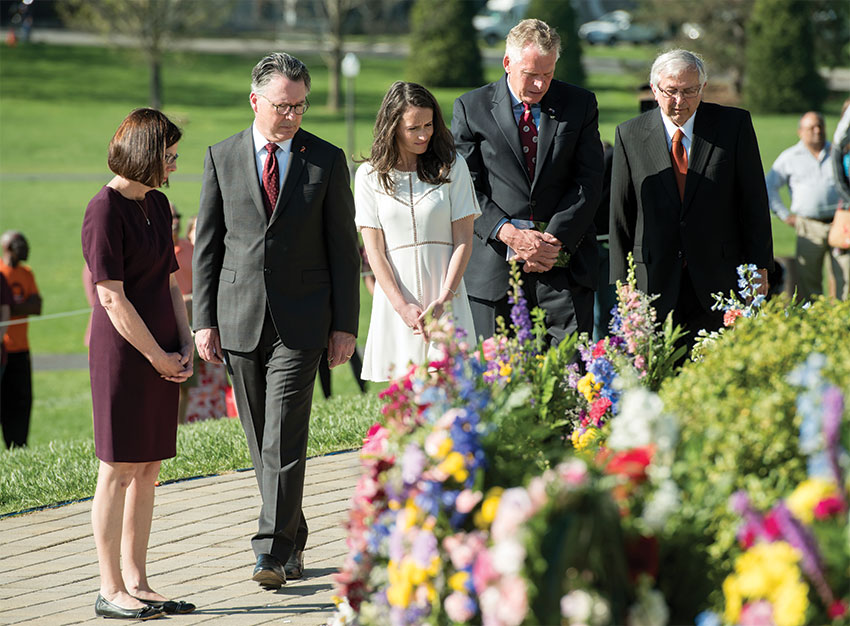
811 251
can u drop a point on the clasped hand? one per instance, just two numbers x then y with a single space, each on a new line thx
175 367
538 250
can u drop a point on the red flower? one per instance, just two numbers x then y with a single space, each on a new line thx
828 507
837 609
771 527
598 409
599 349
631 463
730 316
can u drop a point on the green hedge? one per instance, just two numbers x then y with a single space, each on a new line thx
739 430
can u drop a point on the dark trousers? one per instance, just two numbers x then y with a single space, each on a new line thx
605 298
273 388
690 314
16 399
567 310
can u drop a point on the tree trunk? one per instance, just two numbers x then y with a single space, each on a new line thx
335 11
156 84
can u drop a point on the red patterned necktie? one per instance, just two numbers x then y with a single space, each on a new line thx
680 162
271 179
528 138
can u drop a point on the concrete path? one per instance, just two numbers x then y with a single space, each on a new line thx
199 551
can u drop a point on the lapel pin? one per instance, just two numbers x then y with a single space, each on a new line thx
303 149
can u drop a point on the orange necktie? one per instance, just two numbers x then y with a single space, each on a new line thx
680 162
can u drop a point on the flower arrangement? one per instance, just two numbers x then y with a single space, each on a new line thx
747 303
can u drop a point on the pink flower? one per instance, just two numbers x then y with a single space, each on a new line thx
483 572
514 509
730 316
537 492
599 349
459 607
756 614
375 443
513 603
598 409
828 507
491 348
837 609
463 548
771 527
573 472
466 500
640 362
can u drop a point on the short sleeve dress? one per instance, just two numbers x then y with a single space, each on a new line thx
135 411
417 224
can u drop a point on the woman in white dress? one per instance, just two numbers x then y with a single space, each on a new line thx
415 205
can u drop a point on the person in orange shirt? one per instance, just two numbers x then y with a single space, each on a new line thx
16 385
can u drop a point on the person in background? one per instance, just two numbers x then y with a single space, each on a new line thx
534 153
605 298
16 385
140 349
415 208
5 314
807 170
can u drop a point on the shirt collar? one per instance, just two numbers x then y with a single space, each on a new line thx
260 142
671 128
823 154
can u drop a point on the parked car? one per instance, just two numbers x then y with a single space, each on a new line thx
495 20
618 26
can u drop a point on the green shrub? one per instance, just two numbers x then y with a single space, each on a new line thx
562 17
444 45
739 430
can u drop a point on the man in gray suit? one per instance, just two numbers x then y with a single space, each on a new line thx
276 271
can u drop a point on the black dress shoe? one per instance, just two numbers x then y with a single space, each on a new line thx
170 606
104 608
294 567
269 572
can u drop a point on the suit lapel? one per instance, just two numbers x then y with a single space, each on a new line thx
701 147
549 107
296 165
249 171
655 143
503 114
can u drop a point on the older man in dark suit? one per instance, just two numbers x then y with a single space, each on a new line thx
688 198
533 149
276 271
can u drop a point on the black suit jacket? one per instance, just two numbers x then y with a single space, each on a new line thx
303 263
724 220
566 187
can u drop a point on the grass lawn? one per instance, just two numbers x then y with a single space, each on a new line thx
59 106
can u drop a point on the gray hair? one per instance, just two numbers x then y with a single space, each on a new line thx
278 64
674 62
532 32
9 236
817 114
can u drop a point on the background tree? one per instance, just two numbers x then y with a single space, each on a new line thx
154 24
444 45
562 17
782 76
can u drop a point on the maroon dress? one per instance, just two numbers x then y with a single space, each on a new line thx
135 410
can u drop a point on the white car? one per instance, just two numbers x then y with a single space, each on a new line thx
495 20
618 26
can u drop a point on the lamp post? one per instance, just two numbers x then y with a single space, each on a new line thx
350 69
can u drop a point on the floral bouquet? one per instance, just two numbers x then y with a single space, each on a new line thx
797 557
746 303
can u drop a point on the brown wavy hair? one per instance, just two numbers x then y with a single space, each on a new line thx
137 150
434 164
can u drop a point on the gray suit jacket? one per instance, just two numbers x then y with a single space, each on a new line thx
303 264
724 220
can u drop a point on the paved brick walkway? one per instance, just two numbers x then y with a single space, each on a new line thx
199 551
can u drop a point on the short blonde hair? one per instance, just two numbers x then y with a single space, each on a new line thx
532 32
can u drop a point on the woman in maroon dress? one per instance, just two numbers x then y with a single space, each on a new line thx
140 349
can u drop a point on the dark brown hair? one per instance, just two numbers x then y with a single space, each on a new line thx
434 164
137 149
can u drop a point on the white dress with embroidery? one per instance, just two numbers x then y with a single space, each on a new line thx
417 224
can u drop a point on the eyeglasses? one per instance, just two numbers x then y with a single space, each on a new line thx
170 159
283 109
690 92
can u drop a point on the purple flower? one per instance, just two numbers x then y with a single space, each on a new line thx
412 464
799 537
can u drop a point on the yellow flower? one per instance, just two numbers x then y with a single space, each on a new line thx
806 496
400 589
487 514
588 387
790 602
458 581
733 600
581 441
444 448
453 466
505 370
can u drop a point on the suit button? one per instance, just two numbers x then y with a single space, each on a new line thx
268 270
679 254
533 203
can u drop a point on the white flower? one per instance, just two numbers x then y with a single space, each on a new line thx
650 610
508 556
577 605
661 505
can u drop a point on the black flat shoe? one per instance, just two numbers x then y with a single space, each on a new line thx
294 567
269 572
104 608
170 606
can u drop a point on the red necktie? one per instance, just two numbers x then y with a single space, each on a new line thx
528 138
680 162
271 179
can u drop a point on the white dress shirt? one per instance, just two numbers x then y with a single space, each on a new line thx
687 130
